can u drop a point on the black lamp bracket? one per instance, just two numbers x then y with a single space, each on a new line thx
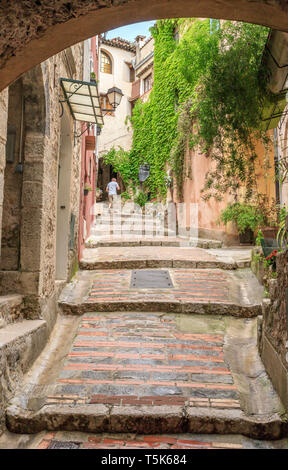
86 129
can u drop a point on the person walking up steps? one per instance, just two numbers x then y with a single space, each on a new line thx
112 191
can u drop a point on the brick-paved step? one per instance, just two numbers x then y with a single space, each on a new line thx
199 291
145 373
65 440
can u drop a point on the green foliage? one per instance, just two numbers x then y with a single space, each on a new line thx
259 237
244 215
126 196
119 159
141 199
207 92
282 235
228 94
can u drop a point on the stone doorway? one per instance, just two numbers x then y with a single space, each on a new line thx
63 200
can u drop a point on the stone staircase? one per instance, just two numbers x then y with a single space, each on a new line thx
139 228
21 341
162 341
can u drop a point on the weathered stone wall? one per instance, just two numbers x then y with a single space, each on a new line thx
35 276
273 343
13 185
28 287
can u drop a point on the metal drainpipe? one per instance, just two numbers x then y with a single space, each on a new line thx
276 165
19 169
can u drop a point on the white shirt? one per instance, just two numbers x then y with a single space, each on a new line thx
112 188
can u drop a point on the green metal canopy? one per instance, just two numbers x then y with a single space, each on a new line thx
83 100
273 109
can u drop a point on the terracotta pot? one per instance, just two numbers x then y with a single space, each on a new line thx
247 237
269 232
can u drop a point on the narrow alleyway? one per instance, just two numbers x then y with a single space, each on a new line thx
155 347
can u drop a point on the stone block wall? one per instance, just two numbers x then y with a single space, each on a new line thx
273 341
34 274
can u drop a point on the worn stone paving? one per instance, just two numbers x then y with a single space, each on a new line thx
149 256
164 256
138 241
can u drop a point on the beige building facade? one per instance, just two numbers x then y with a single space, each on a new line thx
115 69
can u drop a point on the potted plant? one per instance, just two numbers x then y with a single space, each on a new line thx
87 188
269 224
98 193
247 218
92 77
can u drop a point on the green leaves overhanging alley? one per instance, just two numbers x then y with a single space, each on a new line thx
208 90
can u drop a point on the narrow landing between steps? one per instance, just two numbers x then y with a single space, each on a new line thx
150 373
201 291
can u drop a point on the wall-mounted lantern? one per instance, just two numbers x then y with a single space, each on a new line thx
114 96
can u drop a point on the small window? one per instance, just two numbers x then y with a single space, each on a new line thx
148 83
132 75
104 103
214 25
10 144
106 63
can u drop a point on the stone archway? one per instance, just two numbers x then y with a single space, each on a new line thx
44 28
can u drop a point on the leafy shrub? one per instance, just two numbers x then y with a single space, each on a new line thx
141 199
244 215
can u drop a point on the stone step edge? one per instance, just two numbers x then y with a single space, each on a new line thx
10 306
143 419
15 332
196 308
200 244
161 263
20 345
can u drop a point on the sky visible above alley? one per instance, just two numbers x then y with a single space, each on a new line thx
130 32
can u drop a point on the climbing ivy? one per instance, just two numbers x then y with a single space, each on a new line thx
230 86
207 91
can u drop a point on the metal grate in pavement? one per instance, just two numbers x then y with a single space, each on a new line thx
151 279
64 445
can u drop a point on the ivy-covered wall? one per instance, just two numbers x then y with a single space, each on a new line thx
207 91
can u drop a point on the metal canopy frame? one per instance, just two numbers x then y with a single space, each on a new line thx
276 111
83 100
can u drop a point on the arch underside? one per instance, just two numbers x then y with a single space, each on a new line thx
32 31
